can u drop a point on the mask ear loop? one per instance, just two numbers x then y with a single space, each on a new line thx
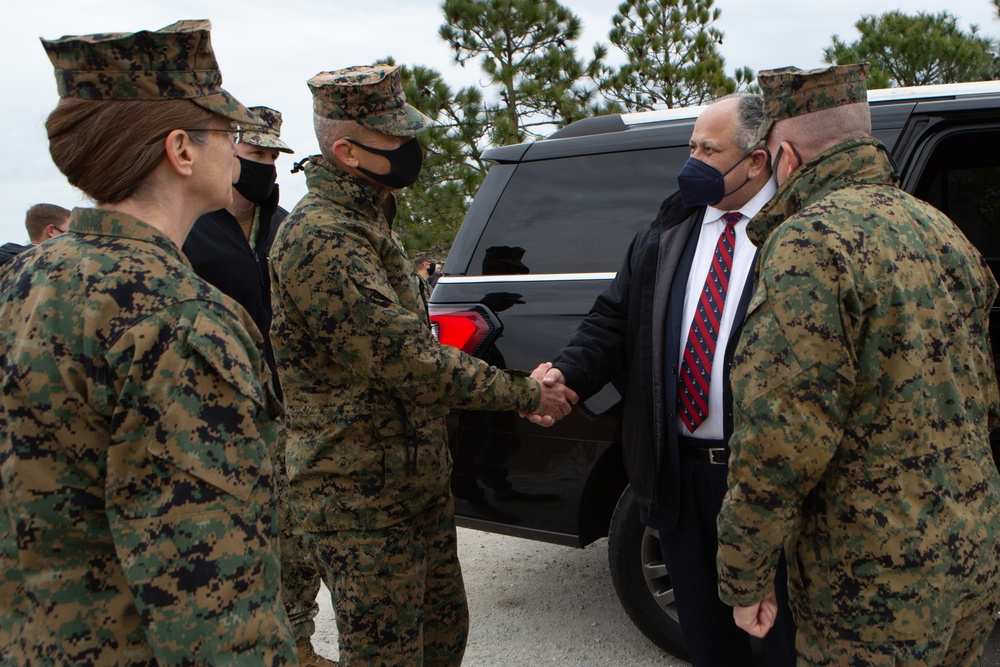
796 152
738 163
781 150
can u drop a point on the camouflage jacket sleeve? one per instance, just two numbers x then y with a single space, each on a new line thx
793 385
354 310
189 488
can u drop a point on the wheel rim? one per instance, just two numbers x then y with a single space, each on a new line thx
654 571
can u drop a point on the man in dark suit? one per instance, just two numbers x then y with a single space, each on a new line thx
669 322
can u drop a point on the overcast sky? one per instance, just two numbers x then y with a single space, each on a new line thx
267 51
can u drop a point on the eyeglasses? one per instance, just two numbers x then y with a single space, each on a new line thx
235 132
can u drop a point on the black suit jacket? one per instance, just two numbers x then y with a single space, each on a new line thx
632 336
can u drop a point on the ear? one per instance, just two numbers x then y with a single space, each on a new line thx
790 161
759 164
179 151
345 152
51 231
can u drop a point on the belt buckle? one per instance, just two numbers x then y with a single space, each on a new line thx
717 456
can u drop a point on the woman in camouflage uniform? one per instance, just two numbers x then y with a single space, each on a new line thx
137 523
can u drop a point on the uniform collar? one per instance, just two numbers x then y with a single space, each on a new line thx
352 192
102 222
862 161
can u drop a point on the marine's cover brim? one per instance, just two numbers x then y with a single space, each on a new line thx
402 122
226 105
265 140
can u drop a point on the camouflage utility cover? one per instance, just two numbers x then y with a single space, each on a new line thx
173 63
372 96
367 384
790 91
266 135
137 521
865 393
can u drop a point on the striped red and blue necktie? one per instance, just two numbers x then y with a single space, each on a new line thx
696 365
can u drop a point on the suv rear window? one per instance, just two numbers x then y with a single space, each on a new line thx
558 222
963 180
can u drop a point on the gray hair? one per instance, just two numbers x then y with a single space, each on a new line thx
329 130
750 115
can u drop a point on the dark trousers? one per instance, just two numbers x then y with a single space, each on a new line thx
689 552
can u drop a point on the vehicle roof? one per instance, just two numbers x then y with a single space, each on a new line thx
614 132
875 97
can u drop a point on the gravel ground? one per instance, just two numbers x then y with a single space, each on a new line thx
541 605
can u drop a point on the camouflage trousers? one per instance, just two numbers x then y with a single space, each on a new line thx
397 592
961 647
300 574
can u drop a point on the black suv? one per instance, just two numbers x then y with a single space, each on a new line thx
544 236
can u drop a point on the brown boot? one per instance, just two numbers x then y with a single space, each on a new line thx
309 658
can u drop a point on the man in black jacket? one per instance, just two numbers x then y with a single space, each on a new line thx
229 248
669 322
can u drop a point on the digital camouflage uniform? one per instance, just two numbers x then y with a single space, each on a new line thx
865 394
367 388
137 512
137 518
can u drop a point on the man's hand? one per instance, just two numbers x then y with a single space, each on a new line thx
557 399
552 375
757 619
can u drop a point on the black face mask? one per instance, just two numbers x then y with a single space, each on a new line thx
256 180
701 184
781 151
404 164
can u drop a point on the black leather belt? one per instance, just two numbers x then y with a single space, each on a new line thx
702 449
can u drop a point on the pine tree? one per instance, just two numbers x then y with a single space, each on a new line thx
917 50
672 55
431 211
525 49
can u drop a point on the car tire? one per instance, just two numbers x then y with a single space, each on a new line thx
641 579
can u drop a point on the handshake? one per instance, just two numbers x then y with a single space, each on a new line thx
557 399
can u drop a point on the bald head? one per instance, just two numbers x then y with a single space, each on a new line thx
801 138
815 132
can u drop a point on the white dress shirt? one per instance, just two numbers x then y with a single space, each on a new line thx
743 257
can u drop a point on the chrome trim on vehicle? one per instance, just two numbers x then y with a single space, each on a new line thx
517 278
919 93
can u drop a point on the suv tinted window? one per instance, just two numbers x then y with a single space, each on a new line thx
963 180
558 220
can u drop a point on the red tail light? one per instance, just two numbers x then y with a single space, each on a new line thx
468 330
